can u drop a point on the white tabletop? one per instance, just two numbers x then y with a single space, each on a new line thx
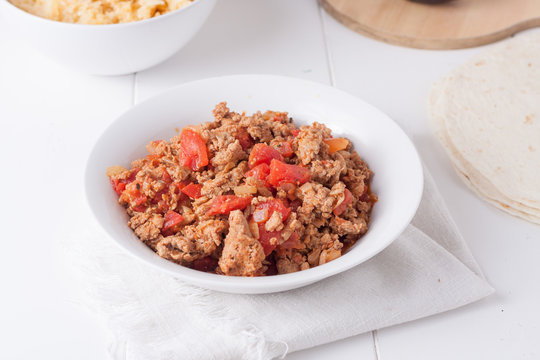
51 116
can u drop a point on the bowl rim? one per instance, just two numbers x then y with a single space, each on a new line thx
20 11
263 284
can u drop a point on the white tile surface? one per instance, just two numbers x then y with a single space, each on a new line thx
50 117
247 36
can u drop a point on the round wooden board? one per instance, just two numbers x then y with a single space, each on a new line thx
452 25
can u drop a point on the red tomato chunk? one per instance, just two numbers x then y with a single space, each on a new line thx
259 172
293 242
263 154
224 204
284 148
192 190
286 173
172 219
341 207
264 210
193 153
245 140
265 238
118 185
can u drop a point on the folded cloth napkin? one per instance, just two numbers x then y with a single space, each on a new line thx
427 270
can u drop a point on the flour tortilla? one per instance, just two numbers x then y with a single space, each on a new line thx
496 203
480 186
485 145
471 176
491 112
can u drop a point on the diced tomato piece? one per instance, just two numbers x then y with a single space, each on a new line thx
264 211
119 186
295 132
162 206
165 177
282 173
346 201
139 200
135 197
336 144
192 190
205 264
263 154
159 195
193 152
259 172
179 186
246 141
224 204
133 189
182 184
140 208
172 219
132 175
265 237
284 148
293 242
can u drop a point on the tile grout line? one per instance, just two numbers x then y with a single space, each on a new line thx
329 59
332 75
134 89
375 337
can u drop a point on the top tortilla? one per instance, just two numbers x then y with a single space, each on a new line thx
491 114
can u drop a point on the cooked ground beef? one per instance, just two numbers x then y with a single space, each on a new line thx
248 195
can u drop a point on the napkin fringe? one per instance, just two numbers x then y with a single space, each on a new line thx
115 301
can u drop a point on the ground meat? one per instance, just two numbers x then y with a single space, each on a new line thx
327 172
291 263
291 226
146 226
310 142
242 255
210 199
224 181
196 242
207 233
230 155
258 128
178 248
316 202
275 222
345 227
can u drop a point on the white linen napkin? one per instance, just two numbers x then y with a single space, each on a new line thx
427 270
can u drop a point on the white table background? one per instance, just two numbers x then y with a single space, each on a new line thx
51 116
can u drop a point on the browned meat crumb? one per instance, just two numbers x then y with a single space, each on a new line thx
242 255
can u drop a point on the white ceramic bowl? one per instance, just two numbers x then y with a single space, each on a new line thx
398 179
114 49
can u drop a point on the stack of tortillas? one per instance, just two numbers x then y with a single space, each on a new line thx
486 114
